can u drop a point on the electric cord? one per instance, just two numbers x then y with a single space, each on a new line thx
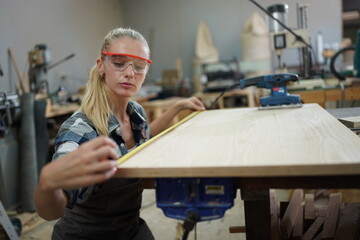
333 59
222 93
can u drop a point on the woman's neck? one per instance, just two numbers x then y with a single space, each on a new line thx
119 108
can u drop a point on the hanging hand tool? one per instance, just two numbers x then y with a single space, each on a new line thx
277 83
21 83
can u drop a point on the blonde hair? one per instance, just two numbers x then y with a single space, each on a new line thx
95 103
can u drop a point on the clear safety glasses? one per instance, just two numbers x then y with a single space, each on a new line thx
120 62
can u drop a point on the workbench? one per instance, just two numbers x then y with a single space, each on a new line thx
263 149
250 93
339 92
155 108
54 111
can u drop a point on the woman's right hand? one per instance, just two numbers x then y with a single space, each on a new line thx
82 167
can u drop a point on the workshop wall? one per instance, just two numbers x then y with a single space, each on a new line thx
171 26
65 26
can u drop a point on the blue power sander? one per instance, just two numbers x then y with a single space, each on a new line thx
277 83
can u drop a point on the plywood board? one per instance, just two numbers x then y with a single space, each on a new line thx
291 214
351 122
309 209
247 142
332 217
299 225
314 228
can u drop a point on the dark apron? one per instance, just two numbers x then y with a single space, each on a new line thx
112 213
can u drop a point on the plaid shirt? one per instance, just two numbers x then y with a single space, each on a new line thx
78 129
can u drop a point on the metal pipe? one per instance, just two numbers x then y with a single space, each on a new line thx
28 161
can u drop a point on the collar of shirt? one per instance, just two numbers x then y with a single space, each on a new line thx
138 125
138 122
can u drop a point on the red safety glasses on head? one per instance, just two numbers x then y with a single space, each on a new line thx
121 61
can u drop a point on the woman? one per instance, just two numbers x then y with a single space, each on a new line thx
77 187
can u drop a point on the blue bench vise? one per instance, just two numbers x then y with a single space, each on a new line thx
195 199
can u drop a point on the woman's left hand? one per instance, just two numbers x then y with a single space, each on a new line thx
192 103
161 123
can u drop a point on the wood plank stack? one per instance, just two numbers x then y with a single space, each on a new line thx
302 219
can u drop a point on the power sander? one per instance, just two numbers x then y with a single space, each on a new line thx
277 83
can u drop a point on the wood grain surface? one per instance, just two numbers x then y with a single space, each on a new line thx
247 142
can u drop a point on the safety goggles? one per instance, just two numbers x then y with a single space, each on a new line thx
121 61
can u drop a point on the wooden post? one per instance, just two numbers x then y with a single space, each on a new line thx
257 213
349 224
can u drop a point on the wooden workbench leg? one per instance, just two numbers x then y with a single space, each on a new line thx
257 214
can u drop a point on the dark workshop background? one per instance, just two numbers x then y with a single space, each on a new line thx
78 26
